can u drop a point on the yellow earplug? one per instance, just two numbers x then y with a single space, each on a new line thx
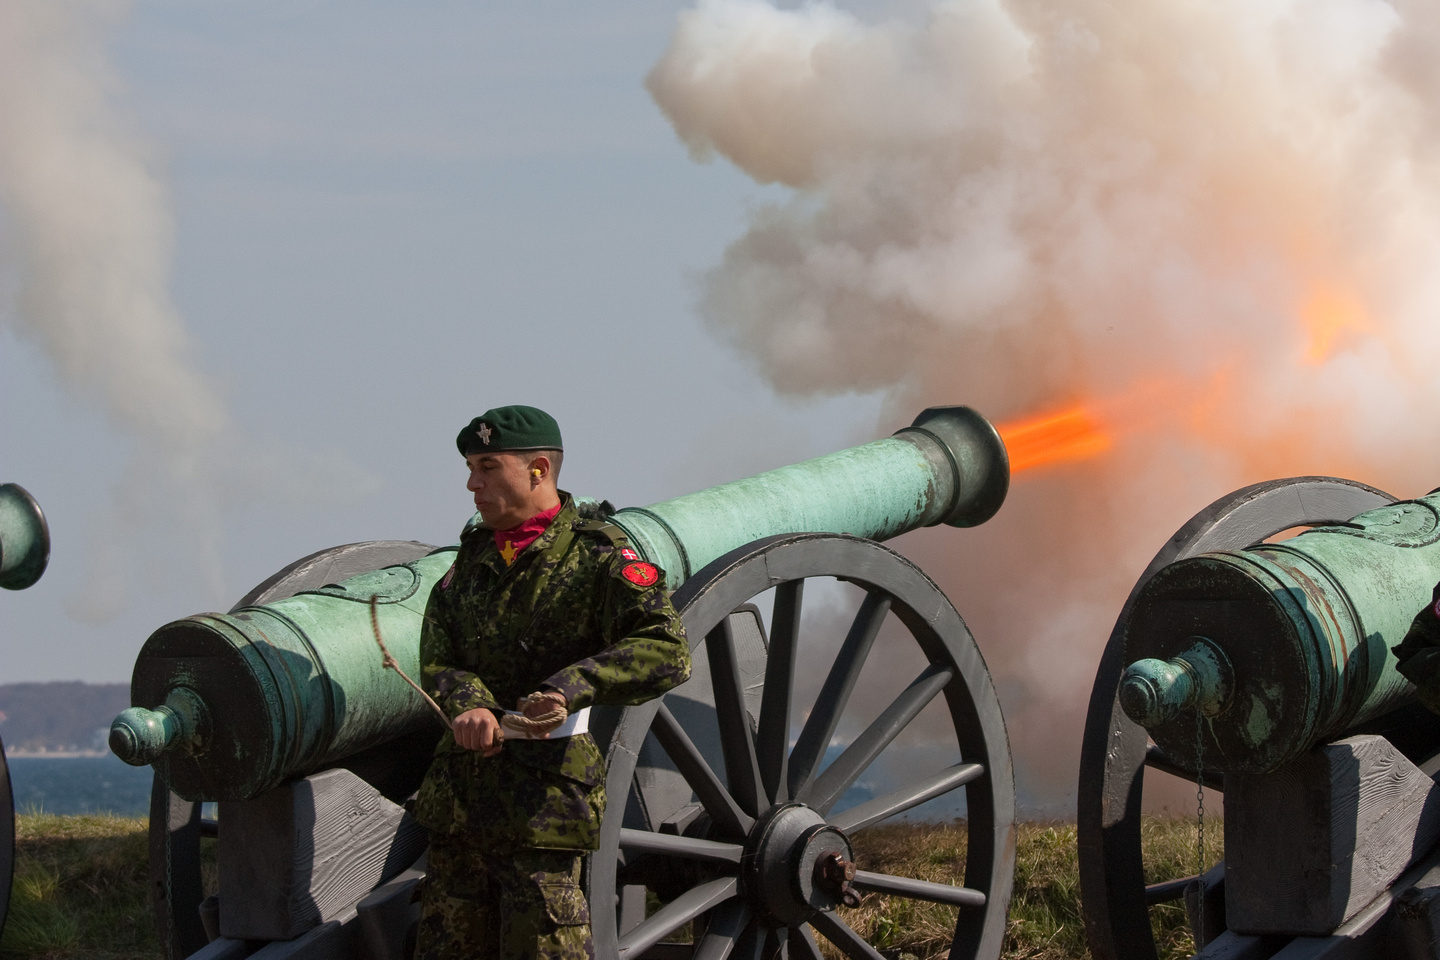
536 472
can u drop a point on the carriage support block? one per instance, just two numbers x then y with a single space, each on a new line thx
303 854
1311 844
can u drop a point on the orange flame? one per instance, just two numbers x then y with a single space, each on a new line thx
1328 316
1055 437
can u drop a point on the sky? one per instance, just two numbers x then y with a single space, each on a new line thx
387 219
260 261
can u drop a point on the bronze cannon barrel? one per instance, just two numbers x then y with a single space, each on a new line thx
228 706
1280 646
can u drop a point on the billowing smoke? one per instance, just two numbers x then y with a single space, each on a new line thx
1205 232
88 235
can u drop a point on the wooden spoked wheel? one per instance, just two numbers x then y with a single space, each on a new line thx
1116 899
176 825
7 838
735 830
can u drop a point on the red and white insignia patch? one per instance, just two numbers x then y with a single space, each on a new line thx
627 554
449 575
1437 608
641 574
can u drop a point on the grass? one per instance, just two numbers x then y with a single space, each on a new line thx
1045 918
80 889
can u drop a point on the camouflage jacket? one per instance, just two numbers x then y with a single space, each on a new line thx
564 616
1418 655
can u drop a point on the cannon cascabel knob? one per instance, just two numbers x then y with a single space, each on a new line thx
140 736
1153 692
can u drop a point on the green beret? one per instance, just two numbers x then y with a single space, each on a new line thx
509 428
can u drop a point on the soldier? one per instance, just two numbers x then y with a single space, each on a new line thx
1418 655
556 610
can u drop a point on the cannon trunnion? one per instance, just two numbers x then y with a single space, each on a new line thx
733 799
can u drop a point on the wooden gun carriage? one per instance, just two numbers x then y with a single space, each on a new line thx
720 812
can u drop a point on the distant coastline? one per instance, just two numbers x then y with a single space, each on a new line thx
54 754
59 720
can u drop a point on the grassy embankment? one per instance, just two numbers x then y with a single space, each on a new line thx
80 889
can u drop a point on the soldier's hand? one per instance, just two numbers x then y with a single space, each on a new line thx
479 730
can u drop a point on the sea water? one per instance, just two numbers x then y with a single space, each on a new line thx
70 785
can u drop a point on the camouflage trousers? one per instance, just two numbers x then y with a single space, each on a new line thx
528 906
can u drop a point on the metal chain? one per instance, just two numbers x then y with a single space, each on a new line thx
1200 824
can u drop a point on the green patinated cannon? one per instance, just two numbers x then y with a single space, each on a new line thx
1269 671
228 706
24 538
1280 645
282 711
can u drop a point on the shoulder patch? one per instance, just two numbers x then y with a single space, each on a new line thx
641 574
626 553
449 576
1437 609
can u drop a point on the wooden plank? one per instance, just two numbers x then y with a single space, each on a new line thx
336 939
1311 844
222 949
386 915
1370 934
304 853
1233 946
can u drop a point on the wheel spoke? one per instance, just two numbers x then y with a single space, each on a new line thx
803 945
835 694
918 889
725 928
838 932
717 801
750 945
777 943
736 739
881 808
668 845
773 741
831 785
676 914
1157 759
1167 891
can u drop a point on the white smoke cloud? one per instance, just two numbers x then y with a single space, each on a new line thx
93 226
1212 225
89 236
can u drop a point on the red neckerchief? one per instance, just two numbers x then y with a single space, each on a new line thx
511 542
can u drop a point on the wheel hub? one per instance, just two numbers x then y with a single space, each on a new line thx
795 864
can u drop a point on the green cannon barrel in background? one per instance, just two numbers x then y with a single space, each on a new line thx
24 538
229 706
1280 646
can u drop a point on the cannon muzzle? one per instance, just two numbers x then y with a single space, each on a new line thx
228 706
1279 646
24 538
949 467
